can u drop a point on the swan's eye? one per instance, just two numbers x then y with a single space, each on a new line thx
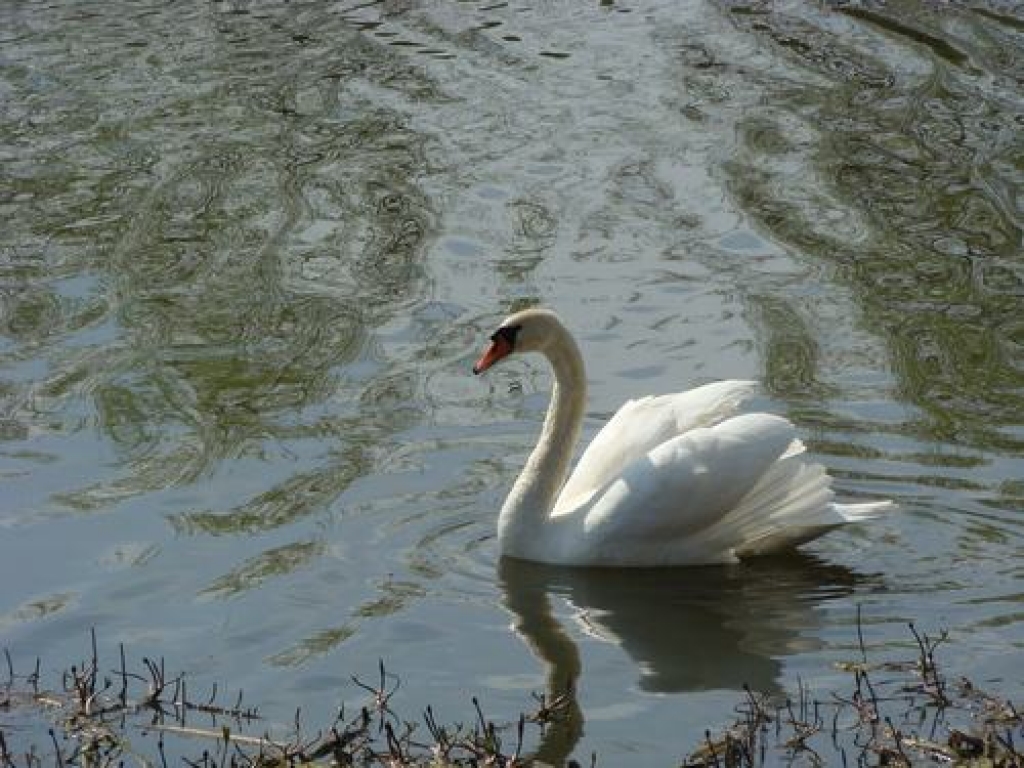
507 333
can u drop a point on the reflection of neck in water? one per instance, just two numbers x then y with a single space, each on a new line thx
536 623
687 629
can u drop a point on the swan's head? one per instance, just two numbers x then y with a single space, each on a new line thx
532 330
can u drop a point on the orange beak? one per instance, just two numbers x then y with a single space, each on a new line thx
499 348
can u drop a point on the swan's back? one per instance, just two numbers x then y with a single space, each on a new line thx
641 425
714 494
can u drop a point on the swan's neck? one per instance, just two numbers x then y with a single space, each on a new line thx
528 507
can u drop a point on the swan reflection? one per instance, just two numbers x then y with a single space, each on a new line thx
688 629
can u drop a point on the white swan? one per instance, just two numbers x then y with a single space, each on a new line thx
670 480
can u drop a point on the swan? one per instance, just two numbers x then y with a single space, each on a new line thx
670 480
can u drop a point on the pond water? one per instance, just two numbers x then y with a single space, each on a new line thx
250 251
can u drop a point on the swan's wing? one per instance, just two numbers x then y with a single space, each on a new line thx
675 494
641 425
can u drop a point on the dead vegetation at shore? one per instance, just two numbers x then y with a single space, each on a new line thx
98 716
92 719
897 714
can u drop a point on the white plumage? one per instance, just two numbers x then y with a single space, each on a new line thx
670 480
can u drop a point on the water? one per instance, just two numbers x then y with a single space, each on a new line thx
250 251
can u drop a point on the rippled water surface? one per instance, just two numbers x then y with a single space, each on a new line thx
250 250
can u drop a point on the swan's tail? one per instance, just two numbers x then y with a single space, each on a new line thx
789 506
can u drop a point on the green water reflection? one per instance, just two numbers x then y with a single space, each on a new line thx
920 157
234 232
